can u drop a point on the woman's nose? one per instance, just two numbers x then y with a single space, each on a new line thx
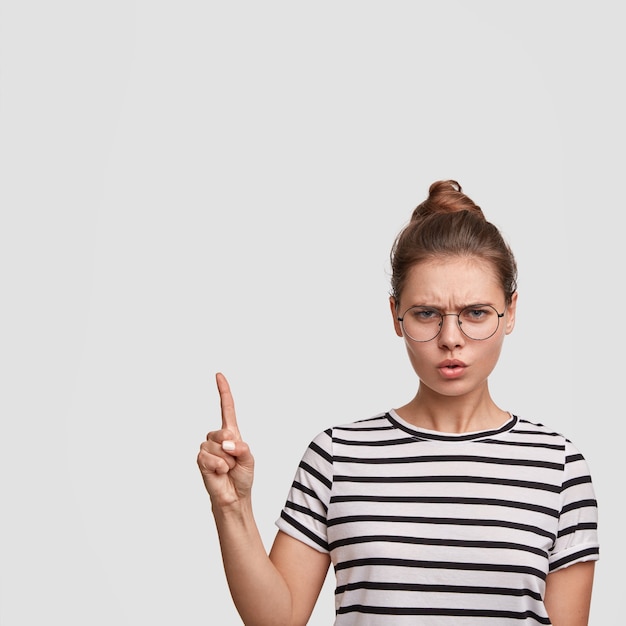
450 335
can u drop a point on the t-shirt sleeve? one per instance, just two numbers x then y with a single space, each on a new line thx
304 514
577 538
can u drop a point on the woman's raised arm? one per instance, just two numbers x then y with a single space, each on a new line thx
273 592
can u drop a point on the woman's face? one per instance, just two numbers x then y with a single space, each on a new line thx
452 364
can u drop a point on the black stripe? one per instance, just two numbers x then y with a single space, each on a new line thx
526 484
445 565
365 429
358 423
498 591
574 457
305 531
313 446
574 556
313 472
580 480
579 504
378 442
527 444
431 436
527 506
539 433
443 458
423 541
441 521
309 492
533 431
306 511
394 610
582 526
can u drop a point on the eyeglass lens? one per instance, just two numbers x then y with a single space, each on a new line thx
478 322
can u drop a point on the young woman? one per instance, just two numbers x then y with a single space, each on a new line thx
445 511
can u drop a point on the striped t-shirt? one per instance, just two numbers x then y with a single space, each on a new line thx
439 529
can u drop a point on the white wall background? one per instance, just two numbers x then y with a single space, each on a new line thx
194 186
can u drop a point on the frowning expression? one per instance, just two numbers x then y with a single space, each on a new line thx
452 363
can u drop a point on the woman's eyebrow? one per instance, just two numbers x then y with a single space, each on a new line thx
460 307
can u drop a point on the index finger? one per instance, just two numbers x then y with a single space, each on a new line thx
227 404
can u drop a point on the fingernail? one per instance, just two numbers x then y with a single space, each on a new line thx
228 446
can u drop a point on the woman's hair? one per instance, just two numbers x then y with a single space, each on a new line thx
449 224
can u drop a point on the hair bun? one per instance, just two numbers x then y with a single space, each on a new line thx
445 196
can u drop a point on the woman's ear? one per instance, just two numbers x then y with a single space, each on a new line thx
393 305
510 314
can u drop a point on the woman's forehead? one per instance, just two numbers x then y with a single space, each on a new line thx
462 280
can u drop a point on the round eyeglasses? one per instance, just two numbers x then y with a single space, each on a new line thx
424 323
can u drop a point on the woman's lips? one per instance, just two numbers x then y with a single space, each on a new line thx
451 368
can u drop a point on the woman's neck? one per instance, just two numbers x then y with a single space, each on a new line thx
453 414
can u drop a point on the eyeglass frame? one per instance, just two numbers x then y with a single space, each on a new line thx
458 320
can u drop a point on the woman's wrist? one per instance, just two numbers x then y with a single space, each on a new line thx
239 510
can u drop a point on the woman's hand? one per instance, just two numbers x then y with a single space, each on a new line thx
282 589
225 461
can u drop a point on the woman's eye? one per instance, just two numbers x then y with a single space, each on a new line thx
475 314
425 315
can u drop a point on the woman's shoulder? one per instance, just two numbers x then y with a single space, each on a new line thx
375 422
347 430
531 427
542 434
